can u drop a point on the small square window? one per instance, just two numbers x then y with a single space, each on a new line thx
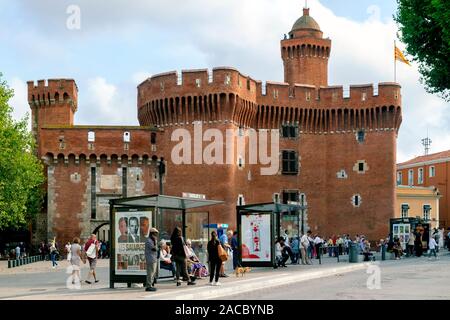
126 137
361 136
91 136
289 131
356 200
289 162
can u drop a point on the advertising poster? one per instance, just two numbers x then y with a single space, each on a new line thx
132 229
255 231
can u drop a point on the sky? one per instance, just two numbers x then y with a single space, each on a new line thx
120 43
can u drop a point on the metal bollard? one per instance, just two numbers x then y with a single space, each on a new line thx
9 264
383 252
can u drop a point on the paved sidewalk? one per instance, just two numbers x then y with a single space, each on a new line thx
40 281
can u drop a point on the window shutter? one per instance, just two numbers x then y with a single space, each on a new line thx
296 163
292 131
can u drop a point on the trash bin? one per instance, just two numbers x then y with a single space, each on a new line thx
353 252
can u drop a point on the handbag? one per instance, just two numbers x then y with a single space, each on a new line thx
83 257
222 253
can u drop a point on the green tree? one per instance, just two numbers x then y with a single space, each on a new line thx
21 173
425 29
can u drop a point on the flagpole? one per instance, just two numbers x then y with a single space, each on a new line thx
395 63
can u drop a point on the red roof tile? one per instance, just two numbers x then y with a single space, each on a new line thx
430 157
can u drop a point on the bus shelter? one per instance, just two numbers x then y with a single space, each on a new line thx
259 225
131 220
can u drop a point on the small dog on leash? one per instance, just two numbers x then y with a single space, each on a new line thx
242 271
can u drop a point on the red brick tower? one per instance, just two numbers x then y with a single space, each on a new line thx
52 104
305 53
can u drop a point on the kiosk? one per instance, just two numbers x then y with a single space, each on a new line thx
258 227
131 220
401 228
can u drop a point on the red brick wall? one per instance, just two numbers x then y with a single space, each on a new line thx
440 181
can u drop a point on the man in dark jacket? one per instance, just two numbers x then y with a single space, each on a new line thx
151 258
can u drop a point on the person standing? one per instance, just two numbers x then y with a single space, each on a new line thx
410 246
304 244
91 249
418 248
18 252
432 244
318 243
68 251
225 245
151 258
53 254
214 260
179 256
235 248
295 245
75 260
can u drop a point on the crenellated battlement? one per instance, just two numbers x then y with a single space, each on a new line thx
225 80
225 94
51 91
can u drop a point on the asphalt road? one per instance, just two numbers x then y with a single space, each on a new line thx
411 278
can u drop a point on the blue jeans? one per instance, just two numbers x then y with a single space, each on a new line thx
53 257
432 251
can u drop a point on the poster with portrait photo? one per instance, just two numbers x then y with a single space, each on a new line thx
131 231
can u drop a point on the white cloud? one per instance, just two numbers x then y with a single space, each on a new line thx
140 76
102 103
19 102
248 39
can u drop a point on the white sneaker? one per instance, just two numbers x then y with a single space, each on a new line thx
211 283
217 283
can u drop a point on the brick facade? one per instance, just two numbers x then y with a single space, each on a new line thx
435 173
338 136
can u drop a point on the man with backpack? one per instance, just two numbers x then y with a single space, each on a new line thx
91 249
304 245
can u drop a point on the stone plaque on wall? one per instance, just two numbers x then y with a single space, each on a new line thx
110 182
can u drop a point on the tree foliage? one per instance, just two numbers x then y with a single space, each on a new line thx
21 173
425 29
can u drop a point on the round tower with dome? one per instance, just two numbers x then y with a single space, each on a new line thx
305 53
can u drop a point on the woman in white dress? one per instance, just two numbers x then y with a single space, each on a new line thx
75 260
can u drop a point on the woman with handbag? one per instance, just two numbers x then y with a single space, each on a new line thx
179 255
215 262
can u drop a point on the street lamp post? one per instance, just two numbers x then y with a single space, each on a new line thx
161 172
